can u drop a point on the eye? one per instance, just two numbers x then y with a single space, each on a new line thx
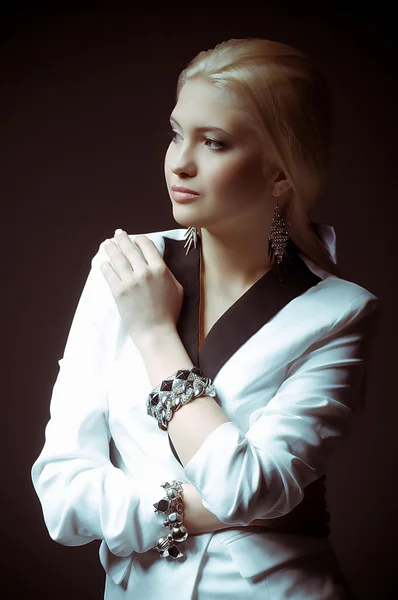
211 143
173 134
219 144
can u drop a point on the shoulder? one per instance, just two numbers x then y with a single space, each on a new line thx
332 307
346 297
335 303
333 297
158 238
335 314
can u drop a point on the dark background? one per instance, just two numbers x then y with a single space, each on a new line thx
86 91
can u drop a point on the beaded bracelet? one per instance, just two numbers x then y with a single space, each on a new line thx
166 546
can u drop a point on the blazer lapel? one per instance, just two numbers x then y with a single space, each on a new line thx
267 296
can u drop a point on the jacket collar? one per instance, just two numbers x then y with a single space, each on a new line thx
267 296
248 314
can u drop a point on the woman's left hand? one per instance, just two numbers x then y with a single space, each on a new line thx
147 294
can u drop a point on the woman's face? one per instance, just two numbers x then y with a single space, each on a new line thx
215 152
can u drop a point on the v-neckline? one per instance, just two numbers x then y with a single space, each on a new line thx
244 317
233 307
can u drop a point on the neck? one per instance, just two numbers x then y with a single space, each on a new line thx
232 263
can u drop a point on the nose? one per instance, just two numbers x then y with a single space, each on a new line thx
182 162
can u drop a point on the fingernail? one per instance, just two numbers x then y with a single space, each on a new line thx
118 231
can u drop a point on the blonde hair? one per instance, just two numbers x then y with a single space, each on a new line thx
290 106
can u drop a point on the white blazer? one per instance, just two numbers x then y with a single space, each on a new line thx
288 361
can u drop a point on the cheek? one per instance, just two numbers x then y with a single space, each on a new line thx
166 162
238 177
167 157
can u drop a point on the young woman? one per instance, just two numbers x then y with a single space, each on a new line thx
211 370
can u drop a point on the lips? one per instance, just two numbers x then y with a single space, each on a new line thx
184 190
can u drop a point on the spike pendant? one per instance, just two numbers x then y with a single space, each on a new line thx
191 236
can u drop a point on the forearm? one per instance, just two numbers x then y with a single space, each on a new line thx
189 427
310 517
163 353
197 519
85 498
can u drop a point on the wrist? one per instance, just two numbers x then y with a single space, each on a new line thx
163 353
197 519
156 336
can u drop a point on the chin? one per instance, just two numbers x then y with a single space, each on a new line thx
183 214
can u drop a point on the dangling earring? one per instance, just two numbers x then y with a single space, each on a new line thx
191 236
277 239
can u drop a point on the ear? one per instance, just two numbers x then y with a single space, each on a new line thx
281 185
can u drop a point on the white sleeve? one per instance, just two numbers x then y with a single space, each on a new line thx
290 440
83 496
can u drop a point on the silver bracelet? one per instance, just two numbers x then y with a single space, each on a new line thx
166 546
175 391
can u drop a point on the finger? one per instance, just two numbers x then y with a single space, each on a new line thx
119 261
149 248
133 253
111 277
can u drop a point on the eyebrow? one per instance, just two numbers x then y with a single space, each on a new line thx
203 128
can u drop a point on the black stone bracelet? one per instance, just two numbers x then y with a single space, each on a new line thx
166 546
175 391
